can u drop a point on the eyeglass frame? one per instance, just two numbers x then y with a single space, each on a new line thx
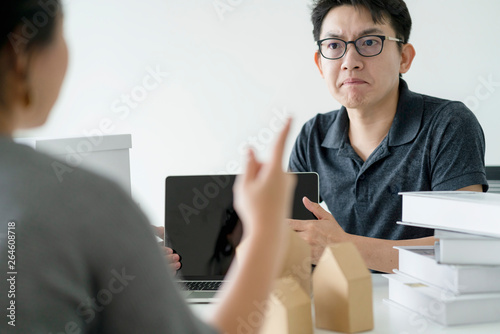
382 37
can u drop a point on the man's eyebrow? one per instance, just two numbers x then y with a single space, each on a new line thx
332 35
371 31
365 32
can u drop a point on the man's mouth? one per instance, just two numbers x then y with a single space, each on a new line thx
353 82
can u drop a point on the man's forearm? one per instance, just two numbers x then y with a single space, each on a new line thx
380 255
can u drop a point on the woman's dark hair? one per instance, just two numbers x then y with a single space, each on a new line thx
28 24
25 25
395 11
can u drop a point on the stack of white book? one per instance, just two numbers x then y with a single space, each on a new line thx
456 281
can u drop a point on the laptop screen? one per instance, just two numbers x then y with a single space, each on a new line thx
202 226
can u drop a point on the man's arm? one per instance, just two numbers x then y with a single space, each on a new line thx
475 187
379 254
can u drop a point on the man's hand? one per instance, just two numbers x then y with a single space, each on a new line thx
318 233
173 259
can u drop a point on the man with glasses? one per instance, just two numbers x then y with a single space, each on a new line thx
384 139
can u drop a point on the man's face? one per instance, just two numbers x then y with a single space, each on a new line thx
353 80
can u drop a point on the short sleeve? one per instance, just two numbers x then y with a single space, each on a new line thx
298 158
457 154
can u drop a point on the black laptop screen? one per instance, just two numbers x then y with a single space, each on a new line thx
202 226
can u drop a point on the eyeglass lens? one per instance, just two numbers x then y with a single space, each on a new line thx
367 46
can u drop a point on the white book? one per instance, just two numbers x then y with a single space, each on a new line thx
466 248
442 306
420 263
461 211
468 251
447 234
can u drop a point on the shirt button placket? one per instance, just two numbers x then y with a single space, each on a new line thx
361 189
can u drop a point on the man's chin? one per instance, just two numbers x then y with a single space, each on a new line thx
352 102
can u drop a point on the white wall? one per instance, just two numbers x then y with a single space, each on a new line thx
227 74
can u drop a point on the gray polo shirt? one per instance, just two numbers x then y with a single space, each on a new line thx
433 144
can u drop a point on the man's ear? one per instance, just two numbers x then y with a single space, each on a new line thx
407 55
317 60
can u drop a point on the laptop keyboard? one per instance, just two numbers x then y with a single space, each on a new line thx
202 285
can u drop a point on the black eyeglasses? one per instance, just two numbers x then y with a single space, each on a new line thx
367 46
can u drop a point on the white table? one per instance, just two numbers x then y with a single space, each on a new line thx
390 319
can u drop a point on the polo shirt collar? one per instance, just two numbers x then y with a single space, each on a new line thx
404 128
337 134
408 118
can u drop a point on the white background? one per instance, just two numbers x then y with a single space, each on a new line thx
231 68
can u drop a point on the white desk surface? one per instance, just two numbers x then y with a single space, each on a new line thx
390 319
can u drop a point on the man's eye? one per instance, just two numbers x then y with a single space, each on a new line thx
333 46
370 42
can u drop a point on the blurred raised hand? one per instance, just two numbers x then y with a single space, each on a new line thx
262 199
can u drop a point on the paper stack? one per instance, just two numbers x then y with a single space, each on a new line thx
456 281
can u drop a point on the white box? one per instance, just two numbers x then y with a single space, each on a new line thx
104 155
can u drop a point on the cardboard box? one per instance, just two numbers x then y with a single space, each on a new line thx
297 263
288 309
104 155
342 290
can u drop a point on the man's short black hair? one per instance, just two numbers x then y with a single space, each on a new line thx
393 12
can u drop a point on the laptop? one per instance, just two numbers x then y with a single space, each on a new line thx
202 226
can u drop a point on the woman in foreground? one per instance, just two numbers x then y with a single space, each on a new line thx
83 256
